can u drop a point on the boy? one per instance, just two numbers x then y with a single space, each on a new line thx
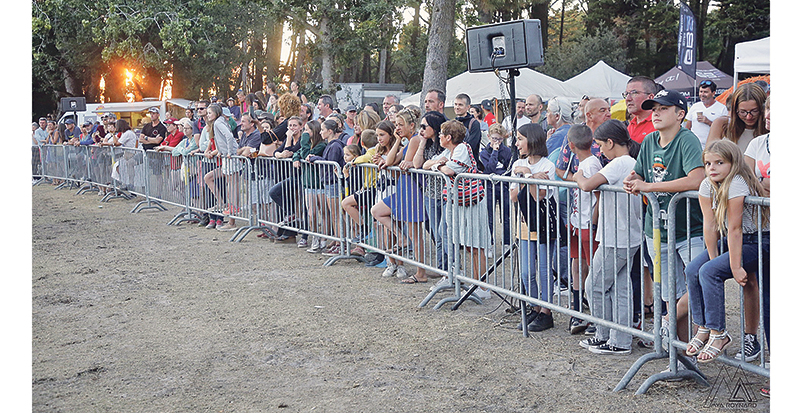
583 211
365 196
670 161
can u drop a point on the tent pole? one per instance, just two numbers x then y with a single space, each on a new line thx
513 116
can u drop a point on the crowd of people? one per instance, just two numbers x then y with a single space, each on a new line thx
665 147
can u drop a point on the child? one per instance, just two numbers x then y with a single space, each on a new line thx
537 242
333 152
311 182
669 161
721 196
583 210
496 158
620 237
364 196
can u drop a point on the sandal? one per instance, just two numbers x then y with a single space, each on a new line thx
412 280
648 310
696 345
712 352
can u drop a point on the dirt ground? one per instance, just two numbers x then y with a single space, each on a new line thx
132 315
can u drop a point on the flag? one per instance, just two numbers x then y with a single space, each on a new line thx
686 43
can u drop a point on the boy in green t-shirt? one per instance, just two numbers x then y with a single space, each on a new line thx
670 161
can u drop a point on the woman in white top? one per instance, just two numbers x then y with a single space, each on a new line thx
225 146
746 120
758 154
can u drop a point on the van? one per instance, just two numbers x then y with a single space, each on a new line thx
135 113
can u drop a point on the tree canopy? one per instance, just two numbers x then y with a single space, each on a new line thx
120 49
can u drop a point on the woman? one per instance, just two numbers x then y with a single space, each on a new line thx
433 191
746 119
225 146
468 225
559 115
366 119
295 90
310 181
330 132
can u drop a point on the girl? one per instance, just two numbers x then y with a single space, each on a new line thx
535 245
331 198
225 146
433 191
721 197
746 119
313 191
619 237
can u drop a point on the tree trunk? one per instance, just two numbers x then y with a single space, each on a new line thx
441 30
272 56
383 65
300 58
327 58
258 62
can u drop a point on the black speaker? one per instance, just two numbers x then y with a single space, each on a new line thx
509 45
76 104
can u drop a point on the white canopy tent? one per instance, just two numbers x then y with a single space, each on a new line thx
480 86
601 81
752 57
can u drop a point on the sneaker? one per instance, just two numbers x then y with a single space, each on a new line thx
578 325
302 243
359 251
481 293
442 283
204 221
401 272
530 318
315 246
390 270
592 342
609 349
218 223
373 259
333 251
211 225
590 330
751 348
542 322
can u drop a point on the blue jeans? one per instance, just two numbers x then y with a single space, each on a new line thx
437 229
706 280
533 259
499 194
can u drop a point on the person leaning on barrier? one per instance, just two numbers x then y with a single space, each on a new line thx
333 152
538 230
471 227
430 126
619 236
721 196
225 146
40 134
153 132
366 119
362 197
496 157
670 161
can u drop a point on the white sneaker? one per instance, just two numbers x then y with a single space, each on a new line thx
390 270
315 245
481 293
401 272
442 283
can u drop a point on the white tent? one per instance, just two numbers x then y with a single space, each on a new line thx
600 81
480 86
752 57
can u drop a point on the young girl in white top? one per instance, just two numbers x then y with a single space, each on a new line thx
538 235
619 235
740 226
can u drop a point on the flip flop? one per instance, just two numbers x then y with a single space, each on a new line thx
412 280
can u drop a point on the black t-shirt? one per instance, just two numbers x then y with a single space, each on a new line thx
153 131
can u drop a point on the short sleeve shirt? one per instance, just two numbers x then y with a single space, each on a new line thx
619 213
758 150
153 131
639 130
738 188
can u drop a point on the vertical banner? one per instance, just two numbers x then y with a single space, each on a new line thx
686 43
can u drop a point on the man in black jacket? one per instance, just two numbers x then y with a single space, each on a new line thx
473 137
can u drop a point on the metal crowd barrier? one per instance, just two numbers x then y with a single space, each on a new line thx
286 198
36 160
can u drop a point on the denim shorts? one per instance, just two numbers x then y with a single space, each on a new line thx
331 191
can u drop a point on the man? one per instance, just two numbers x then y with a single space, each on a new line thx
473 137
153 132
670 161
350 120
597 111
200 120
487 110
325 106
533 108
520 120
388 101
72 133
435 100
86 133
639 89
702 113
307 111
40 134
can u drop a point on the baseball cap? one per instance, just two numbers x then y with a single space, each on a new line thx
111 116
43 118
170 121
666 97
153 109
88 123
350 108
486 104
69 121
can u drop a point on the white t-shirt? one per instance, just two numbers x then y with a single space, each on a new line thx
507 124
581 219
128 139
759 150
619 213
543 165
702 130
738 188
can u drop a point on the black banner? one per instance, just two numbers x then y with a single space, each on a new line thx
687 41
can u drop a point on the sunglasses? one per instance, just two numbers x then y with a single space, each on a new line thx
706 83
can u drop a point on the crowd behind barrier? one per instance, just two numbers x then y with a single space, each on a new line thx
514 271
599 222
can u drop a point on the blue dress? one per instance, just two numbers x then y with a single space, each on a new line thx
406 203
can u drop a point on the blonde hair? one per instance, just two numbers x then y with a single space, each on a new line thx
496 128
289 105
731 153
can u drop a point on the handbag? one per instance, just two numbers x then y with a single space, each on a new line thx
470 191
544 217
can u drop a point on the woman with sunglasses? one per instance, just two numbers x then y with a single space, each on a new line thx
746 120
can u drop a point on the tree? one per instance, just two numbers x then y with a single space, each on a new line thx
734 22
441 31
